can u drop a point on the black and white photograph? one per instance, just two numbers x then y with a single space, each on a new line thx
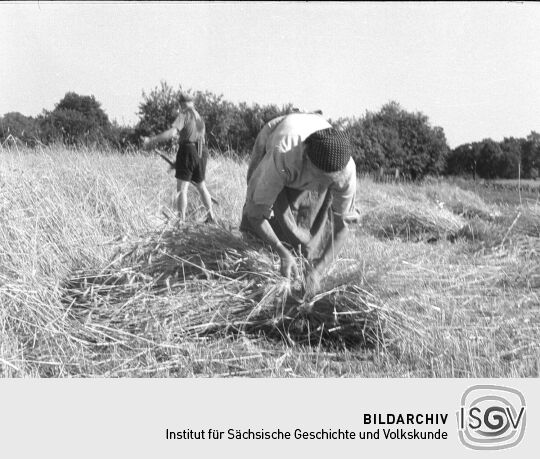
269 190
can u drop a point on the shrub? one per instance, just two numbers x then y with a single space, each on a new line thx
75 120
20 127
228 126
394 138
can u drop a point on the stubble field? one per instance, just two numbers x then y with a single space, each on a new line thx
96 279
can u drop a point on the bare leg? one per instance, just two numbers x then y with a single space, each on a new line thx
207 201
181 198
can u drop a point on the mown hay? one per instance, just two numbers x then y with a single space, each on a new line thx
204 281
528 221
480 230
507 228
411 222
460 202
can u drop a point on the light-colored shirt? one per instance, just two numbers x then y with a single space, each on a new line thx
189 126
279 160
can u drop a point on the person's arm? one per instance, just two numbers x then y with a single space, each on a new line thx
343 192
263 229
264 187
329 254
149 142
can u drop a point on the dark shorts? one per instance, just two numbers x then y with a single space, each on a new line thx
189 167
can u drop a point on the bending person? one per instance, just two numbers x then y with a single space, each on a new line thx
292 155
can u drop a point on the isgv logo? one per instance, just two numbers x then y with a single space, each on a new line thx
491 417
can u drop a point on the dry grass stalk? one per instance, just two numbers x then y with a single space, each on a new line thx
411 222
224 286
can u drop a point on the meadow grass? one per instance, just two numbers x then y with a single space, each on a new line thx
97 280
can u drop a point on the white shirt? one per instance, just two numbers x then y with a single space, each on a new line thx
279 160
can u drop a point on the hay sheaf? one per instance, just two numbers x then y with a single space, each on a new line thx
205 282
512 226
411 222
460 202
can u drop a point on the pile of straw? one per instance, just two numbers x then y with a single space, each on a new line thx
411 222
204 282
460 202
506 228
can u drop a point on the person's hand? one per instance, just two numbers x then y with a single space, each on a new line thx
313 282
310 249
145 142
352 217
288 267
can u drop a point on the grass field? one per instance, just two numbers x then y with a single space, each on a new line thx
505 191
95 280
514 183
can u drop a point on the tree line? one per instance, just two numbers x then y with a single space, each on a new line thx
391 139
511 158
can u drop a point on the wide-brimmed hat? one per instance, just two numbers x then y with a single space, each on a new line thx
329 149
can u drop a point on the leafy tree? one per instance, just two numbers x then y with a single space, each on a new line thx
489 160
234 127
75 119
122 138
87 106
20 127
228 126
496 159
510 161
462 160
247 121
394 138
218 115
418 149
530 155
158 109
368 141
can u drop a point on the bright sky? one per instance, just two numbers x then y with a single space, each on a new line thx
473 69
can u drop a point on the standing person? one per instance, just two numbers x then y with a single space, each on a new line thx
292 155
191 158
